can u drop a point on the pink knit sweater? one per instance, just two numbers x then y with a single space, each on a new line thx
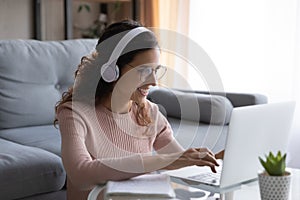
98 145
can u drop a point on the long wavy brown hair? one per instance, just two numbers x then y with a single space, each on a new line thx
88 88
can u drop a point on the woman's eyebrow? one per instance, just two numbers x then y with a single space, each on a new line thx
145 66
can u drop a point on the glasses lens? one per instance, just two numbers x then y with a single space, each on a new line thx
146 72
160 71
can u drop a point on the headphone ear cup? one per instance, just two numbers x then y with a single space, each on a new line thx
117 71
110 73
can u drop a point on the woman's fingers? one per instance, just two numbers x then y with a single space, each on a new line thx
205 150
207 163
205 155
202 157
199 157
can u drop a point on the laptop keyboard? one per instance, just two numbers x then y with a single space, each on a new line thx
208 178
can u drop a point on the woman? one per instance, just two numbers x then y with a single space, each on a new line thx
108 127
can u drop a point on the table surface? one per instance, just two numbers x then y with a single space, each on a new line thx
248 191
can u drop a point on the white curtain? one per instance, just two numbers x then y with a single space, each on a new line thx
174 15
255 45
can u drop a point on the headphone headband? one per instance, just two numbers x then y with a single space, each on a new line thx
110 70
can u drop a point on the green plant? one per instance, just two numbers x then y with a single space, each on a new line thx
274 165
84 6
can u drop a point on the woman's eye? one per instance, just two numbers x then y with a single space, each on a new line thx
148 71
145 71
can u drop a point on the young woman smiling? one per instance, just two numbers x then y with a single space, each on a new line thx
109 129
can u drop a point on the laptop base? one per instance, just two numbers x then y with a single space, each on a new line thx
210 188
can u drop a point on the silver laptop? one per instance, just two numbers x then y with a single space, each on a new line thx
253 131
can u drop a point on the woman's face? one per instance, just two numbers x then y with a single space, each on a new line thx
136 79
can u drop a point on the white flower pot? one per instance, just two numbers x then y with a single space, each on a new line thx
274 187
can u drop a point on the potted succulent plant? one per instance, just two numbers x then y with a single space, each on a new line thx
274 182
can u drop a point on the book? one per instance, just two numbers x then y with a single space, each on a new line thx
147 186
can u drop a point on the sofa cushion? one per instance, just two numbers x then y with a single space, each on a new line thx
33 74
196 134
26 171
46 137
211 109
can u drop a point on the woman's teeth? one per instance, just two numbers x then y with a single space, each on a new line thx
144 92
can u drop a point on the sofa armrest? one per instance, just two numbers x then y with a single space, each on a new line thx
246 99
192 106
237 99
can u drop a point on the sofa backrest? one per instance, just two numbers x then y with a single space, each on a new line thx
206 107
33 75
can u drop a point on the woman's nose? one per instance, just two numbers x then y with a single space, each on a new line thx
152 80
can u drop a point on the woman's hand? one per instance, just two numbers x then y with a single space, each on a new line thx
194 156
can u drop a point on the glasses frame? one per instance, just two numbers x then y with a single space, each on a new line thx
153 70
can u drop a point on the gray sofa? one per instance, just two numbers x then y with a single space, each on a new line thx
33 75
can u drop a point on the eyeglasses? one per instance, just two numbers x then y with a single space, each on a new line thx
146 71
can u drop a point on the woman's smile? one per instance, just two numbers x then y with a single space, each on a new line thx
143 91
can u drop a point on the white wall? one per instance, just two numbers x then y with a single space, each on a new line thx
16 19
255 46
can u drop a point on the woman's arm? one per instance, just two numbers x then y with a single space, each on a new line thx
84 171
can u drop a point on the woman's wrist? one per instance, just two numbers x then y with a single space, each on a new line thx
159 161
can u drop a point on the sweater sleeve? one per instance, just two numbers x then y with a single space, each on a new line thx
165 142
82 169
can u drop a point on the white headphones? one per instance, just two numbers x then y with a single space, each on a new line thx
110 70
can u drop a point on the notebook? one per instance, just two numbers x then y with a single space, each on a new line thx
253 131
144 186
